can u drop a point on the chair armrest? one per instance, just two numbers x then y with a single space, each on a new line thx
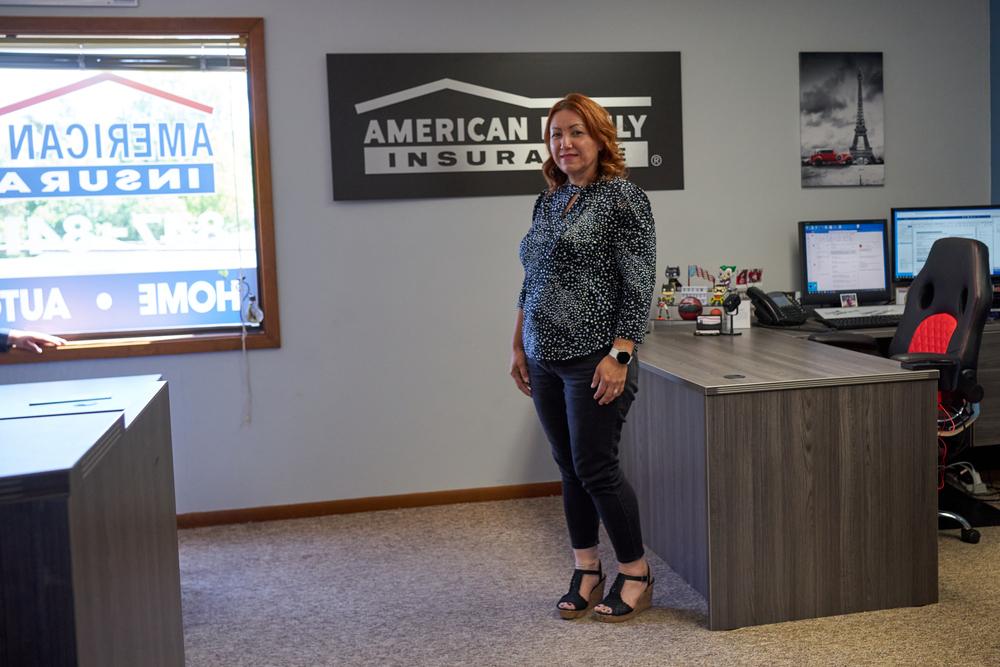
962 381
851 341
946 365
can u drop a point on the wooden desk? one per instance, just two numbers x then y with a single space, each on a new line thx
785 479
89 570
986 430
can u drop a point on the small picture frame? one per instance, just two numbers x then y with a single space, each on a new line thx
848 300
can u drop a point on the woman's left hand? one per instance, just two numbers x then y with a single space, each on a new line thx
609 378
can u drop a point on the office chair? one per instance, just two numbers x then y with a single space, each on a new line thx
941 328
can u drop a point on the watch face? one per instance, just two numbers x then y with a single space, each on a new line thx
624 357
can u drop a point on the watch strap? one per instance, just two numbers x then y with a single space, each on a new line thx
616 354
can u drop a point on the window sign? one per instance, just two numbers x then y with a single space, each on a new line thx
126 192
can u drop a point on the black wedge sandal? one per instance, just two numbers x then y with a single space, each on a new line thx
620 610
581 605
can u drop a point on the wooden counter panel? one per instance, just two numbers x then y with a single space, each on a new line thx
830 510
125 561
36 612
89 572
663 457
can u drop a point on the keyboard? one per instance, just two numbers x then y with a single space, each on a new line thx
863 322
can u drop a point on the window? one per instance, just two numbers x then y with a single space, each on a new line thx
135 189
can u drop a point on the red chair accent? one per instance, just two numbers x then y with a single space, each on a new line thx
933 334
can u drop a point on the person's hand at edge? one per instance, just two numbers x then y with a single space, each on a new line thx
609 376
519 371
609 379
518 359
33 341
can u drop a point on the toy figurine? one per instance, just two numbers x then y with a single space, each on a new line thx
673 274
664 302
668 293
725 275
718 295
662 312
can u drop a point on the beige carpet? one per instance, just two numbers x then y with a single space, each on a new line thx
476 584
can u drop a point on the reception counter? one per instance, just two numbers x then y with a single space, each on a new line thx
89 571
782 478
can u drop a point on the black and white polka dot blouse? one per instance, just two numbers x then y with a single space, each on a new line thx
588 273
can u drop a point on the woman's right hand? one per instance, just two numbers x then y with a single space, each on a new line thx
519 371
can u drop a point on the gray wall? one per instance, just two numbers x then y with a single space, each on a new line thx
397 317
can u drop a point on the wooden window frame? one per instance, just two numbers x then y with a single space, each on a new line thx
252 30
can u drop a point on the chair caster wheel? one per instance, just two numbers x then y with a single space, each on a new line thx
970 535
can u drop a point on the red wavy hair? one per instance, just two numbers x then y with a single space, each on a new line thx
610 162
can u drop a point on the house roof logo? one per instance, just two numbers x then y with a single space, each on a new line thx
100 78
488 93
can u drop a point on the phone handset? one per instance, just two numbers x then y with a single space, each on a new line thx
776 308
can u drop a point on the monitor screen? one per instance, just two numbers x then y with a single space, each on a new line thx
914 231
844 257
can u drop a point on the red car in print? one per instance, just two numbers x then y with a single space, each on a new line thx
827 156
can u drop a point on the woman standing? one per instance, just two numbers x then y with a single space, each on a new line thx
589 265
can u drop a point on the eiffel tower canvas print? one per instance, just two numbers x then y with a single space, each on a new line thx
841 103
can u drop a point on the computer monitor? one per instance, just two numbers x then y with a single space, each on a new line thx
914 231
844 257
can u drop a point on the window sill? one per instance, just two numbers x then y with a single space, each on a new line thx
108 348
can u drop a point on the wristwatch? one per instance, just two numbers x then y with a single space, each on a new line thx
621 356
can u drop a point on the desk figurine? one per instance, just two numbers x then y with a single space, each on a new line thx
725 276
669 294
718 295
664 302
673 274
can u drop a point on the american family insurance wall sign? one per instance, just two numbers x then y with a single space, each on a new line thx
470 124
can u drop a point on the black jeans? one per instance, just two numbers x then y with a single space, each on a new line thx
584 438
